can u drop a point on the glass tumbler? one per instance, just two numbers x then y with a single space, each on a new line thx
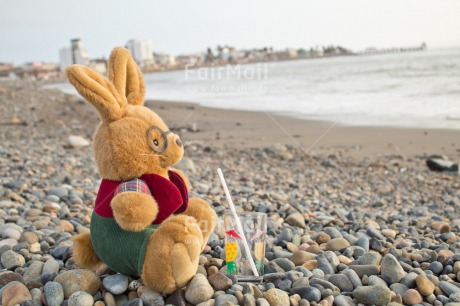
254 226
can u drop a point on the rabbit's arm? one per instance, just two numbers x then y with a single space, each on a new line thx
133 210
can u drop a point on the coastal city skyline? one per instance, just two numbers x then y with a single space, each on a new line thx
151 61
28 36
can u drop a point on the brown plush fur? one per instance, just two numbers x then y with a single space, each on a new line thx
122 153
126 76
205 216
163 271
134 211
83 252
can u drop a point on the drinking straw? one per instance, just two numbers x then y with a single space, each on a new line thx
238 222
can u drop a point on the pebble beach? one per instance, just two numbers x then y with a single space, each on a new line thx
346 226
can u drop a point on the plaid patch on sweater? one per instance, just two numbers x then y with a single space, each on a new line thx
133 185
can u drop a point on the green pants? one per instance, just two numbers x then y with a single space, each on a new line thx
120 250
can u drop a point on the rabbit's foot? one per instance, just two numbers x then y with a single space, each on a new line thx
172 254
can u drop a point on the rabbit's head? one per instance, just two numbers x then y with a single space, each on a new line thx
131 139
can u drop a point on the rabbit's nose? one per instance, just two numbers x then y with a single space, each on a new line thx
178 142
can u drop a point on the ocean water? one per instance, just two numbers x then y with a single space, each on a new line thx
420 89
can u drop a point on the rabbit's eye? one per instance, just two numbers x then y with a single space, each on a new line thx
155 142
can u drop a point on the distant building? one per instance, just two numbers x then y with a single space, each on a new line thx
75 54
7 71
165 60
188 60
141 50
286 54
99 64
37 71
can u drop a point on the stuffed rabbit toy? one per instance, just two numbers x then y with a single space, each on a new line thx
143 221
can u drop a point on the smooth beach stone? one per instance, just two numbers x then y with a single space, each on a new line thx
301 257
286 235
304 271
309 293
283 254
134 285
448 288
304 281
270 277
78 280
262 302
150 296
62 252
399 288
337 244
14 293
11 233
33 272
220 282
351 239
363 242
7 277
376 245
133 302
54 294
354 278
11 259
342 282
455 297
284 284
37 296
368 270
372 295
224 299
285 264
296 219
294 275
51 266
332 258
60 192
116 284
324 265
177 298
392 271
375 280
372 232
322 282
436 267
276 297
198 290
323 238
409 279
333 232
342 300
47 277
424 285
80 298
370 258
249 300
412 297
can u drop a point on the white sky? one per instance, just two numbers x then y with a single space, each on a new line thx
36 29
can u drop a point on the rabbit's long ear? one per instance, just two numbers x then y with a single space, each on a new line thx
99 91
126 76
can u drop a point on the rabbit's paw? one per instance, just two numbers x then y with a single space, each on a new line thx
134 211
205 216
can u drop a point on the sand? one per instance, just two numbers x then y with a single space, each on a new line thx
259 129
51 113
